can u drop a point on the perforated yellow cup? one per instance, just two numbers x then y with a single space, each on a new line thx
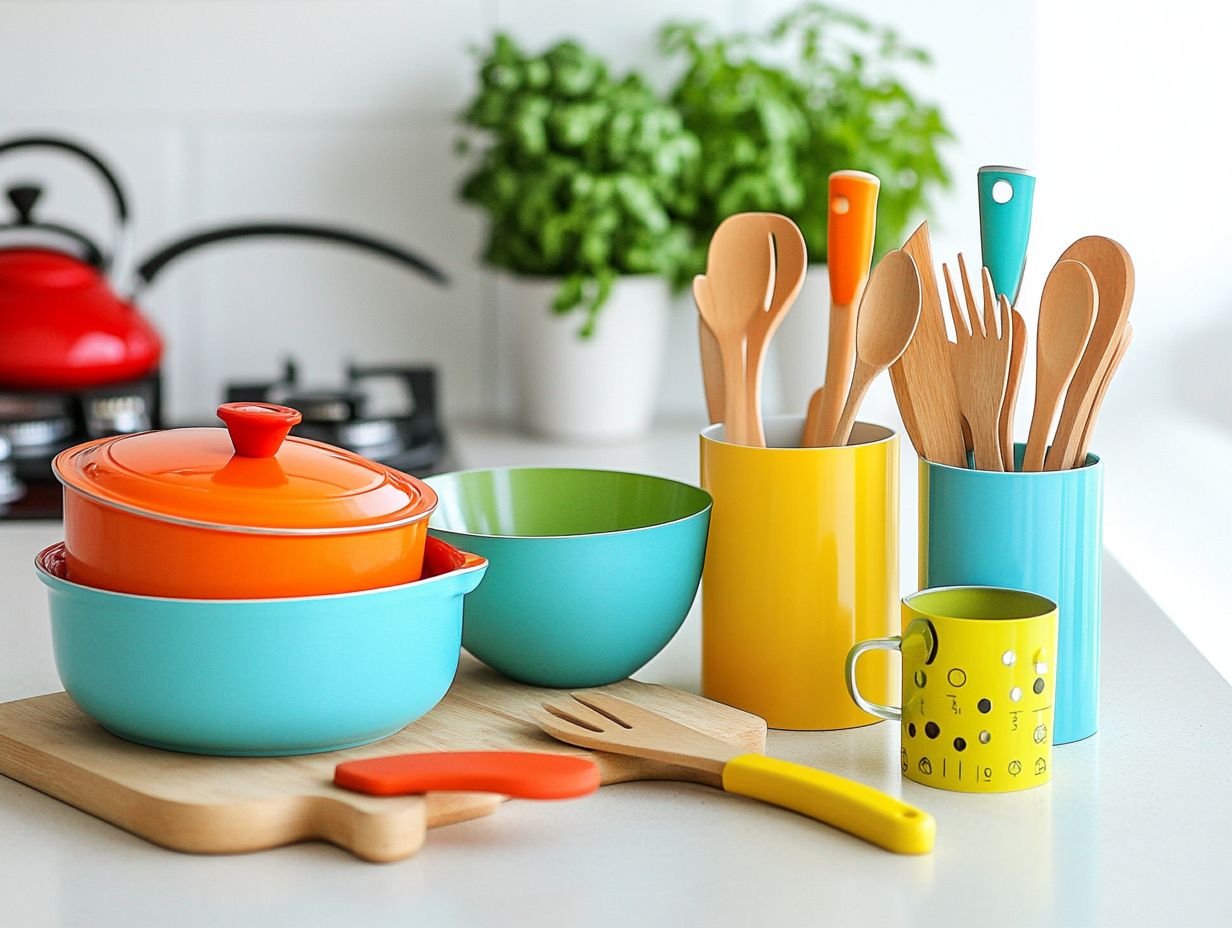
978 675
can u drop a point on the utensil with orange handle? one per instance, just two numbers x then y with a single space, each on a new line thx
606 723
849 245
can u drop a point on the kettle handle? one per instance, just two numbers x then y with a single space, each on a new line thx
153 265
118 199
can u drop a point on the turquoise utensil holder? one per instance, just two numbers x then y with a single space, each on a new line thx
1041 532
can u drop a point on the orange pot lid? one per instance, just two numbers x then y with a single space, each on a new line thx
249 477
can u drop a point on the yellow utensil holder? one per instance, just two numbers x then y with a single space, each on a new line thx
801 563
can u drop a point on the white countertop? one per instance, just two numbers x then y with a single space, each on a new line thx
1135 829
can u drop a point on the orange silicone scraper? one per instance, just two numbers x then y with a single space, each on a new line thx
520 774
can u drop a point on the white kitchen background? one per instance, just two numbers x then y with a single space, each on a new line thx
344 110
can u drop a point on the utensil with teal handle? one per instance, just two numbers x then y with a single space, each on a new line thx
1005 224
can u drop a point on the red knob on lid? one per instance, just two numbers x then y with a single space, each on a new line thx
257 429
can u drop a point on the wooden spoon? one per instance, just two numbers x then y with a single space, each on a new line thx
852 219
922 378
1113 271
1067 312
889 315
790 262
1018 351
740 271
712 357
1085 443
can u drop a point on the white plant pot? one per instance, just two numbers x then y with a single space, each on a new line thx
798 350
598 389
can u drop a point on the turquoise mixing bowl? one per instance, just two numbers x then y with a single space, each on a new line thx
261 676
591 572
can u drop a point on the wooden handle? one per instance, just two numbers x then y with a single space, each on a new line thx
1084 443
1005 426
712 357
853 807
861 381
840 365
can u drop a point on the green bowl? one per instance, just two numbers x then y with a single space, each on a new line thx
591 572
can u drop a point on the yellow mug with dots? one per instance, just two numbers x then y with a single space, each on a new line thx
977 692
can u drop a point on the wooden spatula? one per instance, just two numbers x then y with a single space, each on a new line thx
606 723
790 263
981 360
712 357
922 379
1018 351
740 271
849 249
889 315
1113 271
1067 312
1081 456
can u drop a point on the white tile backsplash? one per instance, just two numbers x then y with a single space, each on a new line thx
344 111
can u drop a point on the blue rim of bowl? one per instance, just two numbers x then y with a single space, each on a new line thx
585 470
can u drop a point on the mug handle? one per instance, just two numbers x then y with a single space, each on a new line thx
893 713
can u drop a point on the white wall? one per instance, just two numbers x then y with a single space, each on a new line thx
1133 142
344 109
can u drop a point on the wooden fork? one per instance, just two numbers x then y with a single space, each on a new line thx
605 723
981 360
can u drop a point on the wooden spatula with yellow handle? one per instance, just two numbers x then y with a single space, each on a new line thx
606 723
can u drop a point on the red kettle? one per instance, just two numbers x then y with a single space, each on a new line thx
63 326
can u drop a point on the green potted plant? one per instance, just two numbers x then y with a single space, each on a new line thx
776 112
585 177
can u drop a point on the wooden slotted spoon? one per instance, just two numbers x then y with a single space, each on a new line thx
790 262
740 272
1067 311
889 315
606 723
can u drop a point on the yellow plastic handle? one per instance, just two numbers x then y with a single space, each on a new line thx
855 808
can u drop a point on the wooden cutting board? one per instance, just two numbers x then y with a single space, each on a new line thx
230 805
